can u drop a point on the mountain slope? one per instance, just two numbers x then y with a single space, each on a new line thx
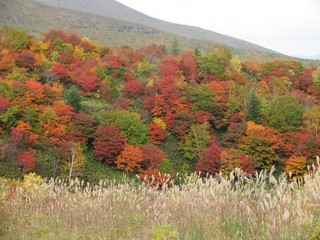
114 9
37 18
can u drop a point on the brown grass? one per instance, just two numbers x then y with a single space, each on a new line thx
236 207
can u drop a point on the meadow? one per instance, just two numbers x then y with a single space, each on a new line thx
231 207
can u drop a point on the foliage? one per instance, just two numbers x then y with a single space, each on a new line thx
108 144
254 109
296 166
27 161
210 160
152 156
285 114
13 39
130 159
215 62
129 123
66 102
196 141
73 98
264 145
233 158
133 88
72 159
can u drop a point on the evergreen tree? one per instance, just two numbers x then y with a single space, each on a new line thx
175 47
73 98
254 108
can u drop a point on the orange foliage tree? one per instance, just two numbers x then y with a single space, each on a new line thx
232 158
130 159
297 166
22 134
264 145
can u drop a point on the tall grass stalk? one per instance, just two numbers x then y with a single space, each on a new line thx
233 207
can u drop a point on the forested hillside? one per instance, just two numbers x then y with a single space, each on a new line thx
71 108
37 18
116 10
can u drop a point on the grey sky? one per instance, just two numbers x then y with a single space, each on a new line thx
288 26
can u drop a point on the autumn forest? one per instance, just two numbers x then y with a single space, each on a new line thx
70 108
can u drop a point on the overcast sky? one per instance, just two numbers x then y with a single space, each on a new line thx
291 27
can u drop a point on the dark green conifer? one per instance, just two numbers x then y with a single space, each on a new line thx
73 98
254 108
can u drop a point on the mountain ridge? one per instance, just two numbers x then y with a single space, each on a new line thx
36 18
117 10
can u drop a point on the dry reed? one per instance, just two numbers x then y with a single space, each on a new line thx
233 207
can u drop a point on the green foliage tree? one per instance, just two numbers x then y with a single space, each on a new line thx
13 39
202 98
10 117
312 121
146 69
285 114
196 141
175 47
215 62
129 123
6 91
316 78
73 98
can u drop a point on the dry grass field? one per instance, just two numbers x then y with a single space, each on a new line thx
233 207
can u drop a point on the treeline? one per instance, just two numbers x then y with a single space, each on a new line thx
71 108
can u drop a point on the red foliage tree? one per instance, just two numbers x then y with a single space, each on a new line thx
157 134
210 160
133 88
148 103
236 130
28 161
182 123
188 66
4 104
108 144
169 67
152 157
154 53
35 92
25 60
83 127
65 112
301 144
156 179
232 158
83 75
60 72
305 81
89 82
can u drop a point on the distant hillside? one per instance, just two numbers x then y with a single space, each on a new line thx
37 18
114 9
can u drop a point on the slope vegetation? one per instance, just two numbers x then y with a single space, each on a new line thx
114 9
37 18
